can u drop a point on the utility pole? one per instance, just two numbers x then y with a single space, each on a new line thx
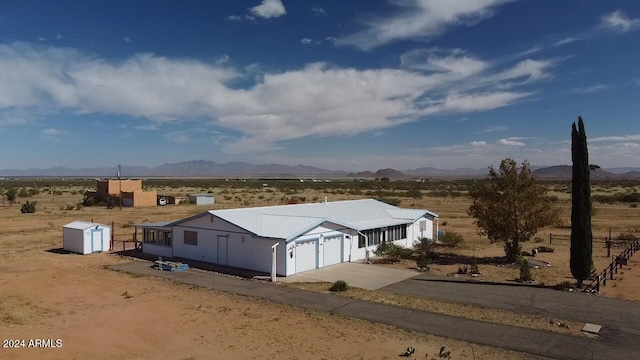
120 187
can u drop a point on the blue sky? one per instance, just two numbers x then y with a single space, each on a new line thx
354 85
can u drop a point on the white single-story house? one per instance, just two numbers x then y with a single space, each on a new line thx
202 199
86 237
305 236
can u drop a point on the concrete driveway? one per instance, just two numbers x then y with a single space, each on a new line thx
365 276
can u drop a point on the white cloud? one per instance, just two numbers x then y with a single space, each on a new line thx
317 11
235 18
420 19
315 100
269 9
510 142
615 138
58 36
54 134
590 89
492 129
619 22
306 41
127 39
41 38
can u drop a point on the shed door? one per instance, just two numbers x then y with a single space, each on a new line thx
306 255
332 250
222 249
96 240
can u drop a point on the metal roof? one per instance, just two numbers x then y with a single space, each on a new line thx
290 221
82 225
155 224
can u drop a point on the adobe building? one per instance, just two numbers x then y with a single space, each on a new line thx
130 190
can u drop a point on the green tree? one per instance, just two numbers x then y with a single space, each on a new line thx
11 195
511 206
581 235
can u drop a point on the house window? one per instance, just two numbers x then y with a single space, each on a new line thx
398 232
375 237
164 238
190 238
149 236
157 237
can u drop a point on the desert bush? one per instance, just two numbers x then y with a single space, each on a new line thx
525 270
28 207
422 262
445 223
474 269
513 251
339 286
546 249
423 245
392 252
627 236
634 205
33 192
390 201
538 239
23 193
414 193
464 269
565 285
451 238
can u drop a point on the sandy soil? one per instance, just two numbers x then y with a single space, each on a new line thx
101 314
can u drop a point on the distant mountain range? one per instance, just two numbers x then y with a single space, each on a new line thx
564 172
203 168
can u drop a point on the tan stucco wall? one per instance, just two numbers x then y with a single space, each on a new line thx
145 198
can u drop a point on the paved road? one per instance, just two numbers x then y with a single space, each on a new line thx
623 316
541 344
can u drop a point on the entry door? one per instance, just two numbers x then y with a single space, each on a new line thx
96 240
306 255
222 249
332 250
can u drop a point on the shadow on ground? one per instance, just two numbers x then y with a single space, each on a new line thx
227 270
60 251
448 258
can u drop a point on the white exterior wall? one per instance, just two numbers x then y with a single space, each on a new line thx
318 234
415 233
79 241
242 249
202 200
159 250
73 240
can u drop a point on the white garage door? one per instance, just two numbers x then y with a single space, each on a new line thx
305 256
331 252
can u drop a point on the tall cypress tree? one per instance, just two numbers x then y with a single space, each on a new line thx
581 236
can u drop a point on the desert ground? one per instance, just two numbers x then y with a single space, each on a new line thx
98 313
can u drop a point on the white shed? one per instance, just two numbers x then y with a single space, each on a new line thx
86 237
202 199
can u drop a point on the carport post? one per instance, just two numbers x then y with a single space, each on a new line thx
273 262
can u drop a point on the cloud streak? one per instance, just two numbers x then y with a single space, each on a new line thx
421 20
318 99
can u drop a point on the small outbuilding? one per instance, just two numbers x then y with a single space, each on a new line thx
201 199
86 237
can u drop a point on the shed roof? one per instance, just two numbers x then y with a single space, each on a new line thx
290 221
82 225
